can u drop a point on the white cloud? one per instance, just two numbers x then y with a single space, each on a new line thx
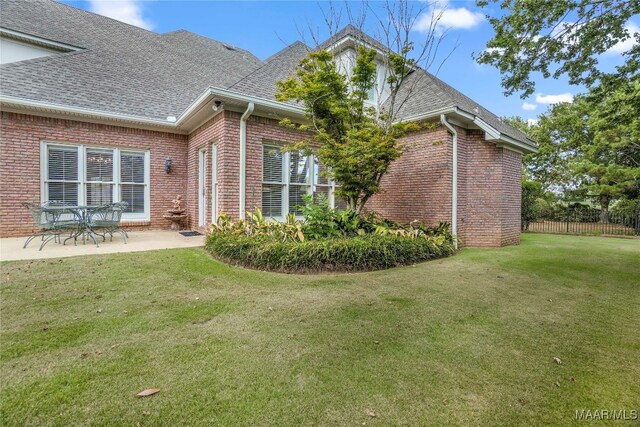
454 18
129 11
532 122
529 107
625 45
554 99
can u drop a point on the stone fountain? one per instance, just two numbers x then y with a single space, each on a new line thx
177 214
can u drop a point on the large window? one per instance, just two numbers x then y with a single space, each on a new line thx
82 175
287 177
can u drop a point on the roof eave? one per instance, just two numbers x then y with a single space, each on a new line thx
491 133
184 124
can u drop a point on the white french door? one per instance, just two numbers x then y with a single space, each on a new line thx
202 186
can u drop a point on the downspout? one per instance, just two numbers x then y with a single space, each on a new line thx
243 157
454 189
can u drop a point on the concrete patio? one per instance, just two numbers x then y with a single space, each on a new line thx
138 241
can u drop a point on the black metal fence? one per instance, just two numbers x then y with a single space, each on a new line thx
586 221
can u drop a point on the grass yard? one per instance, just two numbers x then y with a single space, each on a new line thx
467 340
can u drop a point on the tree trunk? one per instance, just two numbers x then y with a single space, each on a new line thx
604 208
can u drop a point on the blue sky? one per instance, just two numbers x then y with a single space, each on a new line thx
265 27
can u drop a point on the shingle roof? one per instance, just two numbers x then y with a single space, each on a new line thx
423 92
128 70
122 68
262 81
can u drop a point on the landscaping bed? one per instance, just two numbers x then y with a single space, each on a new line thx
327 240
361 253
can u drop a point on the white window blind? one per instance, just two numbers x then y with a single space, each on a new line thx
81 175
299 183
287 178
320 182
62 174
132 181
272 181
99 177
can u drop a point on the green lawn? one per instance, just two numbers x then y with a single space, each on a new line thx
467 340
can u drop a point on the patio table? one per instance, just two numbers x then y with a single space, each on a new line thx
84 228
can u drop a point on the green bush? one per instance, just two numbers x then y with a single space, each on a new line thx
368 252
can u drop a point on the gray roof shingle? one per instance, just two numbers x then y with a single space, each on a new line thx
262 81
125 69
121 69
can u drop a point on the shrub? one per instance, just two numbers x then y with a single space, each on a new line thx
328 240
368 252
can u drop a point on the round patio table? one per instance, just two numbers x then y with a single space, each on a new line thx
84 227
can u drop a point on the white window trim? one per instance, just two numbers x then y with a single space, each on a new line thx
215 189
82 174
286 177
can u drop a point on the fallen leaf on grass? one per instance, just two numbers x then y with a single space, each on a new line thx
148 392
372 414
114 346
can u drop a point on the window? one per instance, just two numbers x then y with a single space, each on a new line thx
82 175
320 183
132 181
61 181
272 181
299 182
287 178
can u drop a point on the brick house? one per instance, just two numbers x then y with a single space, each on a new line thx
95 110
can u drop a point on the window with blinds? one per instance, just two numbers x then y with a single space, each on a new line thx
320 182
287 178
299 183
132 181
81 175
62 183
272 181
99 177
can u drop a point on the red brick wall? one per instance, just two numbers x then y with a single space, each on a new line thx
211 132
224 130
512 197
418 185
489 186
20 138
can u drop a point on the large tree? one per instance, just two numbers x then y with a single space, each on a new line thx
355 142
590 147
554 38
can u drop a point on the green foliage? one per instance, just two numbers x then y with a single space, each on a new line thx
356 142
257 225
531 192
589 148
320 219
344 254
556 38
626 207
328 239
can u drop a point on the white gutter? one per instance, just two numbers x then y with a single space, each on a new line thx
454 185
243 156
86 112
174 125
